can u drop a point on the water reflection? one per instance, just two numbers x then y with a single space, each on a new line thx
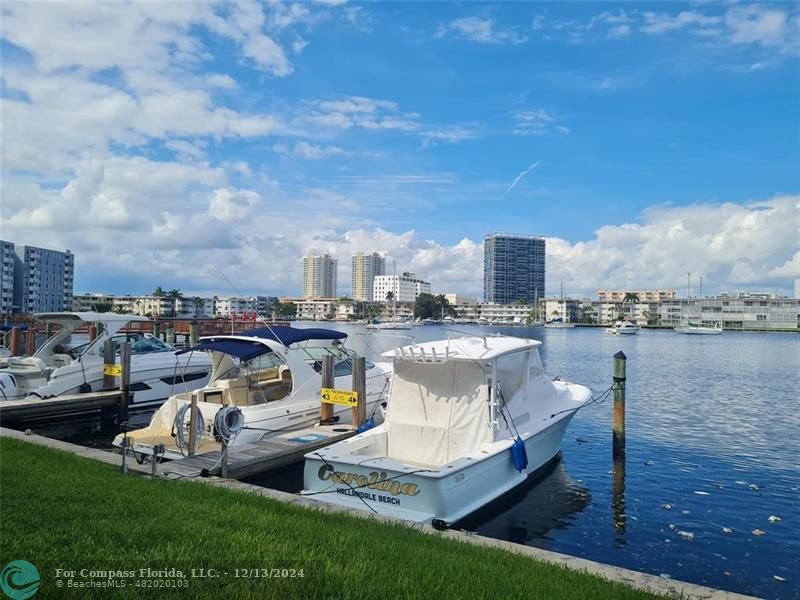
529 513
618 498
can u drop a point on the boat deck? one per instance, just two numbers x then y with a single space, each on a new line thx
250 459
28 408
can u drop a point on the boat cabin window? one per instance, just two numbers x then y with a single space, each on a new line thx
536 367
344 364
510 371
142 345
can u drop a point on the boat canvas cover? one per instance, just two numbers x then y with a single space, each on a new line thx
245 349
438 412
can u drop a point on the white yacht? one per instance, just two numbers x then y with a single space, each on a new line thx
273 374
383 325
56 369
624 328
692 328
468 420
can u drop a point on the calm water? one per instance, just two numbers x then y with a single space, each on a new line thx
713 442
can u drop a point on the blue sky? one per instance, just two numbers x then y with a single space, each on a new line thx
160 143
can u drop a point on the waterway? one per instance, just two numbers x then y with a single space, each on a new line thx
709 491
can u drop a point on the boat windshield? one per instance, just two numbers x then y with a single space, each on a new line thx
344 359
140 344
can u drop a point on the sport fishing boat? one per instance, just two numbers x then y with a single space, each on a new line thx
55 369
273 375
469 419
624 328
692 328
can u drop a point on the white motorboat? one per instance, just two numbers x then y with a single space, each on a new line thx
692 328
624 328
56 369
558 324
468 420
273 375
402 325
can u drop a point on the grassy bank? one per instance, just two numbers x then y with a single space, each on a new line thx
62 512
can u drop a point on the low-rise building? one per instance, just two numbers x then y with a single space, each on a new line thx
458 299
643 295
404 288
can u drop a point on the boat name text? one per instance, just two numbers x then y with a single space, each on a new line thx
375 481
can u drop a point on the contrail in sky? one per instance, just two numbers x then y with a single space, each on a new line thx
520 176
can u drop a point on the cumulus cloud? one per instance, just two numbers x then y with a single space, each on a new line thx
228 204
481 30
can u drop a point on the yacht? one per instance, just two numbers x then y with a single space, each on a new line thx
55 369
273 375
402 325
469 419
624 328
692 328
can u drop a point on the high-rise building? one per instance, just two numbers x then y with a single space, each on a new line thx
365 268
43 279
404 288
513 268
319 276
7 260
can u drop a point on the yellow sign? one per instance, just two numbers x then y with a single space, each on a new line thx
343 397
112 370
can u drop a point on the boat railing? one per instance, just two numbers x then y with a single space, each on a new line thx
409 354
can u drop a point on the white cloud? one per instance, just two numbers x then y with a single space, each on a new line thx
307 151
536 122
358 111
221 80
663 22
229 204
754 24
481 30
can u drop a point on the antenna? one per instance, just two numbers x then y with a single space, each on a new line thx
235 289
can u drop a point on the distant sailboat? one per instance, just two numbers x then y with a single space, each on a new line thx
560 322
696 327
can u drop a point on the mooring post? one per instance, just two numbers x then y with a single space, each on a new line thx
48 330
92 332
224 459
192 425
125 442
124 382
193 333
328 381
360 388
30 338
170 333
156 329
619 403
109 358
14 341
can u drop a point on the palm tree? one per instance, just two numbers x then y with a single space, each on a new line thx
174 294
629 299
159 292
198 304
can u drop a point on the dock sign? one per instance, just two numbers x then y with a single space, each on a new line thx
343 397
112 370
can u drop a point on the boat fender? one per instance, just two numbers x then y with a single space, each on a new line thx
519 455
84 388
440 524
366 426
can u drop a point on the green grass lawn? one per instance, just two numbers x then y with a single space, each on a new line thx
61 511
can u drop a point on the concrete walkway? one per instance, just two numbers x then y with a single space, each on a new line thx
635 579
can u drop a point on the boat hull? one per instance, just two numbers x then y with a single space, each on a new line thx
447 494
699 330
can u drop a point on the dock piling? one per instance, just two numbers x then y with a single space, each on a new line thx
156 329
169 333
192 425
360 387
92 332
108 359
30 339
124 382
619 403
15 332
328 381
193 332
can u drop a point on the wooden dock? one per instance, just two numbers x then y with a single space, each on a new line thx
259 457
72 404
